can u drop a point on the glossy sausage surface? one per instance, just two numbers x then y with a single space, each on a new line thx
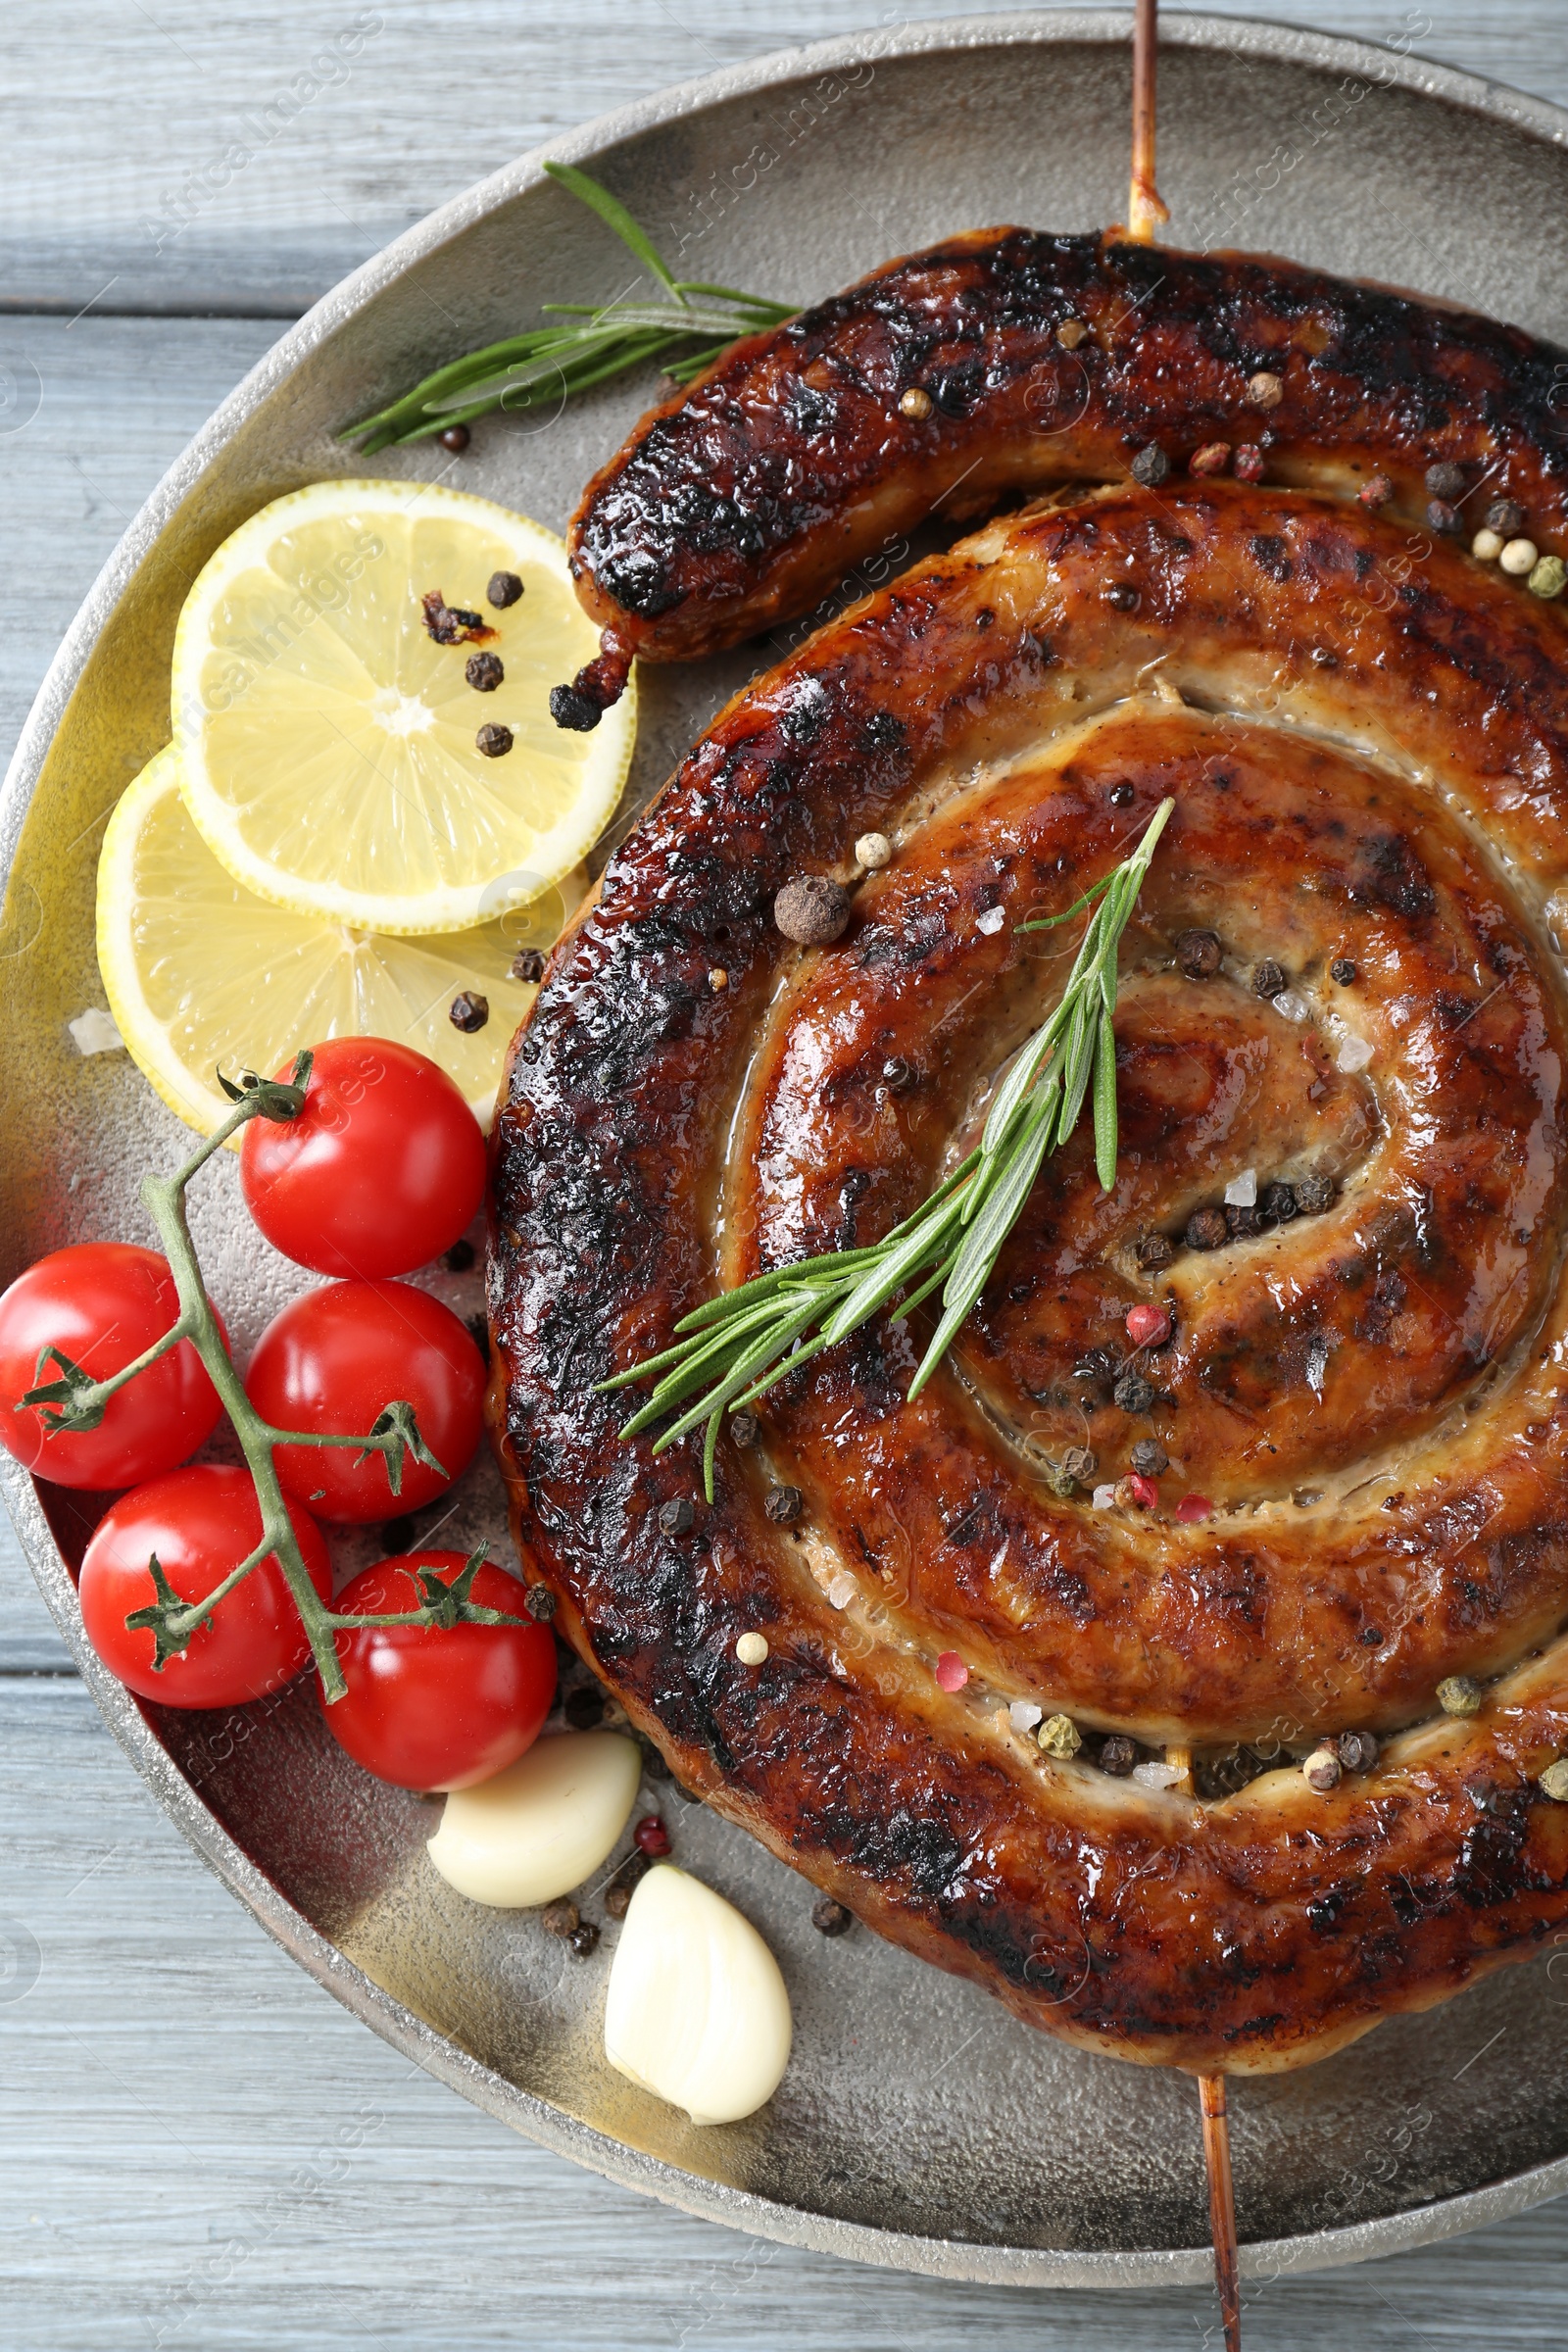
1367 745
760 493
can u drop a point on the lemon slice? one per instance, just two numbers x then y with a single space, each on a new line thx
329 741
200 973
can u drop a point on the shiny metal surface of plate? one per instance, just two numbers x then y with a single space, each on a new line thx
918 2125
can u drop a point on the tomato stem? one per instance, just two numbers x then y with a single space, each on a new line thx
394 1435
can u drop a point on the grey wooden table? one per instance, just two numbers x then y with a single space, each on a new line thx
197 2146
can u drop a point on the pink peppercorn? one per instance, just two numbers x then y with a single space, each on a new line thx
1143 1491
1192 1509
1375 493
951 1671
650 1835
1213 458
1249 466
1148 1326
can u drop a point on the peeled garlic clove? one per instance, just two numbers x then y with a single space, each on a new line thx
697 2011
544 1824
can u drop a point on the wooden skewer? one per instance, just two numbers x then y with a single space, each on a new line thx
1217 2157
1144 211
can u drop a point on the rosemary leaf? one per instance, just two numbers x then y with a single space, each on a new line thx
734 1347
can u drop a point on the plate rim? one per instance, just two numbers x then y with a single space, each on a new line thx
436 2054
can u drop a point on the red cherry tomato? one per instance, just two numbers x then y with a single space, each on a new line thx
381 1170
201 1522
439 1706
333 1359
101 1303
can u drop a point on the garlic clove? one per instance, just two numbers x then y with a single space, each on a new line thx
544 1824
697 2011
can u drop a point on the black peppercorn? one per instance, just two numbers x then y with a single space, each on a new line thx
528 964
1241 1223
584 1707
494 741
559 1918
1446 479
540 1603
468 1011
1443 518
504 589
456 438
743 1428
1152 1252
784 1505
484 672
1506 517
1150 1459
1278 1203
1122 596
1268 980
1133 1393
1117 1755
1079 1465
676 1517
1122 796
1151 467
829 1918
1313 1194
1358 1750
458 1258
1207 1229
618 1900
1343 970
1198 953
583 1938
573 710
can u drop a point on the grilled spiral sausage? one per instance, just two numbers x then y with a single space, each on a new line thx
1363 1406
1031 360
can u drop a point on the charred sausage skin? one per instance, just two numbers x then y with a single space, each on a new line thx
1423 704
755 495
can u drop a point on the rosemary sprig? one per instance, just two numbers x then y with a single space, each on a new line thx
685 331
735 1347
75 1401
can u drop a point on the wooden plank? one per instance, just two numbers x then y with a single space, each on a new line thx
205 2150
98 409
243 159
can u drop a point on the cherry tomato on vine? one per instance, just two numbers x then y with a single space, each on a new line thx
201 1522
333 1359
439 1706
101 1303
381 1170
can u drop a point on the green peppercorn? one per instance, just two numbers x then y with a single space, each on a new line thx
1060 1736
1549 577
1553 1782
1459 1694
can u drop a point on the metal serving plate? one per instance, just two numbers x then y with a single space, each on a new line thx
918 2125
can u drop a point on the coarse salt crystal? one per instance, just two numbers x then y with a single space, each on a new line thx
1104 1497
1156 1776
1241 1190
991 920
1354 1053
1291 1005
842 1591
1023 1714
95 1031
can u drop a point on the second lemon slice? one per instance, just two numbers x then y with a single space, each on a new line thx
329 739
202 975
